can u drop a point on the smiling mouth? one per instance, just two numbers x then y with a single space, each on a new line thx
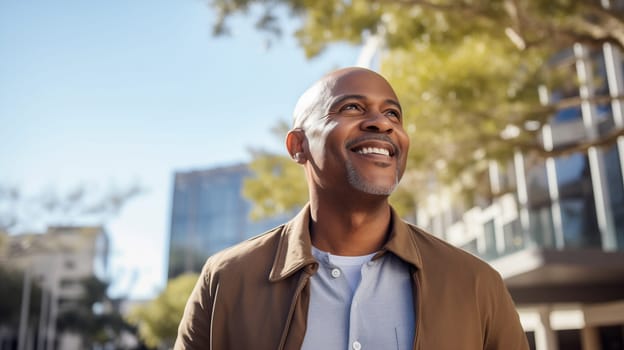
373 150
373 145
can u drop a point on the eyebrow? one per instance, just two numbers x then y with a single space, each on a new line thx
343 98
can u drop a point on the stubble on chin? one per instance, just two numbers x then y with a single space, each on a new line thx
359 183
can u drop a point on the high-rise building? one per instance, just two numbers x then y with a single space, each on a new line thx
209 213
554 226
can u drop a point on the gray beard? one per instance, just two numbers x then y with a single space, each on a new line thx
359 183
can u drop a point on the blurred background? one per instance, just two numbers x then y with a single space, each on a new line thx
138 138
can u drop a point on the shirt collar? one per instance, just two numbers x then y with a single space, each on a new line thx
294 250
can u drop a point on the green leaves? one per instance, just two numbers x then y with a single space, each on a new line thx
277 187
329 21
93 315
467 73
458 100
158 320
11 296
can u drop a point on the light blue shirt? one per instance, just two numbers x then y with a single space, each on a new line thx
377 314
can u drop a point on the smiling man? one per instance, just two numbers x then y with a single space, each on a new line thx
347 272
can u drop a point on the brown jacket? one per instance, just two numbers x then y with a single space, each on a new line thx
255 295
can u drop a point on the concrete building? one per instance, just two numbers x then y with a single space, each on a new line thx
208 214
57 260
554 227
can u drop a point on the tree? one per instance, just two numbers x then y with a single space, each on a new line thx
525 23
158 320
94 315
11 297
19 211
81 204
467 73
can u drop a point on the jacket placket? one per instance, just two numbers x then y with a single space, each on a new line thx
416 290
303 281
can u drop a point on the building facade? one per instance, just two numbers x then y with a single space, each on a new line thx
554 226
56 261
208 214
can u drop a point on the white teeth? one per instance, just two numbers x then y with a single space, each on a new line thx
375 150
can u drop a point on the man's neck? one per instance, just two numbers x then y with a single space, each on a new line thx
349 228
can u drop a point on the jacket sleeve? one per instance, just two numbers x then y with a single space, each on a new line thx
194 331
503 329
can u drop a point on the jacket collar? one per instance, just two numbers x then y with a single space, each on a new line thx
294 250
402 242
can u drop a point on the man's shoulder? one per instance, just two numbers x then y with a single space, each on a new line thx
254 251
436 251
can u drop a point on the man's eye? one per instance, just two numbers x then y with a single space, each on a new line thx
394 114
351 107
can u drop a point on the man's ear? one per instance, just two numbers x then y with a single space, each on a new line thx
295 140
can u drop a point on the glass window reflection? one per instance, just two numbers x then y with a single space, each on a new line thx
578 213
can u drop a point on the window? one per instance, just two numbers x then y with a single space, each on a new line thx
616 192
489 235
612 337
514 239
578 214
68 283
471 247
531 339
569 339
69 264
541 225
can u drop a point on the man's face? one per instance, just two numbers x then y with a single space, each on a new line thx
359 137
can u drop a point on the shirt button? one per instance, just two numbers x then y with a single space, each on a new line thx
335 272
356 345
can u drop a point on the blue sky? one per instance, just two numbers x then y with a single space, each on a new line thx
110 93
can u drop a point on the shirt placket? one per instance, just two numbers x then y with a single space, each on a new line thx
357 339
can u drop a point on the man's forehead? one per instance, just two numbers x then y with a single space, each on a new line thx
357 81
353 80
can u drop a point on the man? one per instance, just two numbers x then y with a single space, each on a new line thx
347 272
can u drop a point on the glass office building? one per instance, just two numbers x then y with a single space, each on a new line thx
208 214
554 226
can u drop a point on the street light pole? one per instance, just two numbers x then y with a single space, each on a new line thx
23 324
43 318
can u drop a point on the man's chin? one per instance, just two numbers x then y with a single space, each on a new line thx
381 185
374 188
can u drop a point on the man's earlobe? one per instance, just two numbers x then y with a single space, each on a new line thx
294 144
299 157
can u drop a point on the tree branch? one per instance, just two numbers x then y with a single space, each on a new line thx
451 7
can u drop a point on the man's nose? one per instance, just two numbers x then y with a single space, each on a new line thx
377 122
